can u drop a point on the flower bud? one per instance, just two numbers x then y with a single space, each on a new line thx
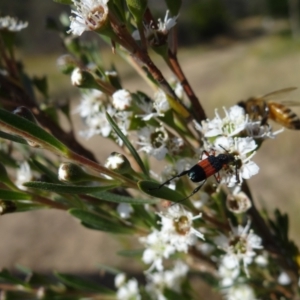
70 172
118 162
238 202
121 99
83 79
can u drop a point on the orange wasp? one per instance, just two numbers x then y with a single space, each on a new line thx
264 108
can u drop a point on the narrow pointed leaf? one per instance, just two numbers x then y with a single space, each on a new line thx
151 188
81 284
46 170
109 269
131 253
127 143
110 197
29 131
94 221
12 138
67 189
12 195
5 275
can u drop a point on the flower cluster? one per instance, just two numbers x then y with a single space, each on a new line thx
176 234
12 24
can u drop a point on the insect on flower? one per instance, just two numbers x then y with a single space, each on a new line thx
207 167
265 107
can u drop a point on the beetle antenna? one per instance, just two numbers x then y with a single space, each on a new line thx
170 179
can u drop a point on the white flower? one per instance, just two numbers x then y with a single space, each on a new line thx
121 99
89 15
120 280
161 103
157 108
23 175
153 141
258 131
168 23
163 27
76 77
124 210
115 161
157 248
171 279
239 247
177 228
12 24
234 122
98 123
238 292
90 103
262 259
227 273
284 278
243 150
129 291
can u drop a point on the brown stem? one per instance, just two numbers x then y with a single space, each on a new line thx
126 40
197 108
100 169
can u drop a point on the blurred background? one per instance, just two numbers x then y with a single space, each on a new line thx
230 50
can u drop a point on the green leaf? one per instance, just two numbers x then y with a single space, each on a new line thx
12 195
109 269
94 221
131 253
12 138
127 143
81 284
45 170
30 131
151 188
7 277
110 197
67 189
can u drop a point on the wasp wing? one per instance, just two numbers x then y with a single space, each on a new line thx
278 93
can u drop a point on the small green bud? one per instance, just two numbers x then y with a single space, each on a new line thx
70 172
118 162
137 8
173 6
